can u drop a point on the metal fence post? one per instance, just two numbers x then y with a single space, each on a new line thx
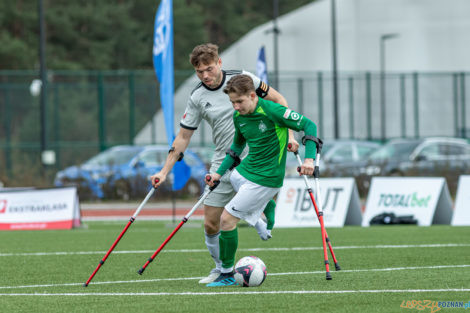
369 106
101 113
416 103
320 101
403 105
462 99
6 120
57 126
351 106
455 100
131 107
300 95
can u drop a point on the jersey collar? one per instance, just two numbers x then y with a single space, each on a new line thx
218 87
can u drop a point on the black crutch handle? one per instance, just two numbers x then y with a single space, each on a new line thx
216 182
317 140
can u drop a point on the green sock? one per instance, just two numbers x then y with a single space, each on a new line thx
269 212
228 242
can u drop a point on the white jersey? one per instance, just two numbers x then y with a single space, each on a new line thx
214 106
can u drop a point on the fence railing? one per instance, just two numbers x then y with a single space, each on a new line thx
89 111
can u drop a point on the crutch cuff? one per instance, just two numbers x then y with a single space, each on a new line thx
316 140
181 155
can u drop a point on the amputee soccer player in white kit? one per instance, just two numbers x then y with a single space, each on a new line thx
208 102
262 125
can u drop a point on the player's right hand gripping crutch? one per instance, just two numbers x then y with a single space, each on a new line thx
319 208
184 220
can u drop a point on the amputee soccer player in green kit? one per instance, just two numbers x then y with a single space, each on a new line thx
263 126
208 102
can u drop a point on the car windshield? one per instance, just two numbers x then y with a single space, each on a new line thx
396 150
112 157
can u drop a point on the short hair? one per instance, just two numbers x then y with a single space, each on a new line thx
204 54
240 84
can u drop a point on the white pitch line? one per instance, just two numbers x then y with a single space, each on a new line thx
238 292
270 274
438 245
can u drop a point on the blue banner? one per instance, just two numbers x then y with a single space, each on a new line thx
163 65
261 67
163 62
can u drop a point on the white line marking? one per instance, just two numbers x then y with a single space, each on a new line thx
446 245
237 292
270 274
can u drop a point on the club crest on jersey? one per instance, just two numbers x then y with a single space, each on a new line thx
262 127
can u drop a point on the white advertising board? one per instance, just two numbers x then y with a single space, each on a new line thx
39 209
461 215
341 205
426 199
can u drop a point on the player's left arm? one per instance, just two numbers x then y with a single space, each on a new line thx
276 96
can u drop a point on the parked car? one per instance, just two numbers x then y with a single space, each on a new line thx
339 158
205 153
134 181
92 177
433 156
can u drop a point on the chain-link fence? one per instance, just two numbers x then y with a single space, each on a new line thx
89 111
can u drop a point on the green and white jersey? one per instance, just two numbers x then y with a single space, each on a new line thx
265 131
214 106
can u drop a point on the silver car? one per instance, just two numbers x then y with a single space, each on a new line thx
339 158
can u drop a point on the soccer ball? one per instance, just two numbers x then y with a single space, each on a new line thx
250 271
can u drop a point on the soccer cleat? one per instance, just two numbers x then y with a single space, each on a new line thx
213 275
262 231
224 280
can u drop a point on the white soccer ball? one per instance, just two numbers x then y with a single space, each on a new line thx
250 271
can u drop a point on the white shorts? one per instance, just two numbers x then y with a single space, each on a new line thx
250 200
221 195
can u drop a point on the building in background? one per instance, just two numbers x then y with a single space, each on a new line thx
431 36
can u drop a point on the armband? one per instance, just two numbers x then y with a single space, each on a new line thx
181 156
235 158
317 140
262 90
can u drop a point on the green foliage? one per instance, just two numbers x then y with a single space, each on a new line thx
119 34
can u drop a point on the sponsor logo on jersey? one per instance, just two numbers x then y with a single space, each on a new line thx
241 125
291 114
208 105
287 113
262 127
294 116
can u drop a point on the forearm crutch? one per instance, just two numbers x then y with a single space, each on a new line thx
319 208
184 220
132 219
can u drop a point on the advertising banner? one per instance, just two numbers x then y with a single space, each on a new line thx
426 200
461 215
340 201
39 209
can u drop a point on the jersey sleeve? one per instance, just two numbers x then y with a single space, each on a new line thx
288 118
261 87
192 116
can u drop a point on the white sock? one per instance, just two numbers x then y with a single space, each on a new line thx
261 229
212 243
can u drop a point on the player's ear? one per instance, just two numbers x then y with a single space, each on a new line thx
252 95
